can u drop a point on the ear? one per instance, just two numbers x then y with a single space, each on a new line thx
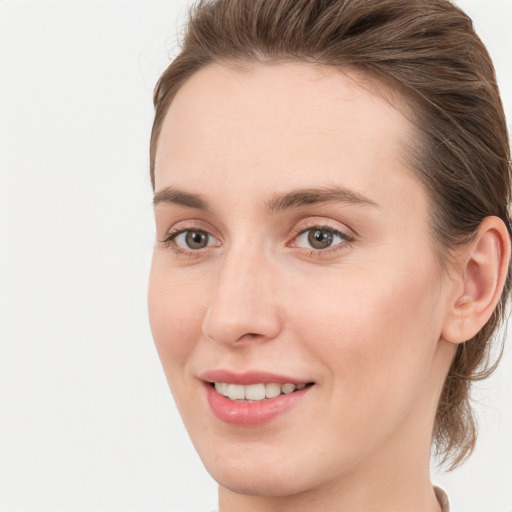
481 267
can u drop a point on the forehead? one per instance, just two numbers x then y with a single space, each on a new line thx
281 123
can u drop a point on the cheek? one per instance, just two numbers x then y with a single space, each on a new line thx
376 330
377 340
176 312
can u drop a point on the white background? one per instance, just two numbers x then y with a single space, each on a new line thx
86 419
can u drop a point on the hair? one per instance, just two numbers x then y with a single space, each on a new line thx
429 53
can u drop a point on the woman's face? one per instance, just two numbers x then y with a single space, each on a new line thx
293 247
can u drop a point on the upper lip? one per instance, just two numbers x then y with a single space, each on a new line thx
248 377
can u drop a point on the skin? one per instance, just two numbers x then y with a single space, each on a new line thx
363 319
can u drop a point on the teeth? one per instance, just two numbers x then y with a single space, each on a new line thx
288 388
272 390
221 388
255 392
236 392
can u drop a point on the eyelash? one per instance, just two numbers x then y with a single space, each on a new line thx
169 241
329 251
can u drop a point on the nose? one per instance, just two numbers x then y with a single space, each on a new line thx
244 305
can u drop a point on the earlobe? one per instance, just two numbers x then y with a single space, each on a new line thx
482 265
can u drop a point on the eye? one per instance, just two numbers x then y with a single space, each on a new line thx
193 239
320 238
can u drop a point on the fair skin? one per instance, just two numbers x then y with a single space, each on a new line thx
292 239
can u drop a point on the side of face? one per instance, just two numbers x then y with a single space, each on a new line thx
293 240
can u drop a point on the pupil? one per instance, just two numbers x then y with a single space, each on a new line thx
197 239
320 239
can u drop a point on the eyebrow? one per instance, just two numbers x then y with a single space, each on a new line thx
172 195
311 196
279 202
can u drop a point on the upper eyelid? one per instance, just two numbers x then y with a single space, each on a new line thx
318 225
332 225
340 232
189 225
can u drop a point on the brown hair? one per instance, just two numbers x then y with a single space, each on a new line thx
430 54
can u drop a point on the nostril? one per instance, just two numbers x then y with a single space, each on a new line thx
248 335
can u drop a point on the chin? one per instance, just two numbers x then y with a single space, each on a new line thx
263 468
258 482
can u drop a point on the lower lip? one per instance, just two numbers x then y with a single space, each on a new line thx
251 413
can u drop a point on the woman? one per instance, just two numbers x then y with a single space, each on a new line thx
332 181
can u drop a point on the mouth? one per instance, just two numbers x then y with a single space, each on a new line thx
252 398
256 392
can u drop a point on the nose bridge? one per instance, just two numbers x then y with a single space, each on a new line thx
243 302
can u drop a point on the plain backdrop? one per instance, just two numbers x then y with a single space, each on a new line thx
86 420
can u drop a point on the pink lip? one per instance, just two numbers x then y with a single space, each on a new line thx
247 378
250 413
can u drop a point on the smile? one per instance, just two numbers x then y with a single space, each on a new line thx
253 398
255 392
